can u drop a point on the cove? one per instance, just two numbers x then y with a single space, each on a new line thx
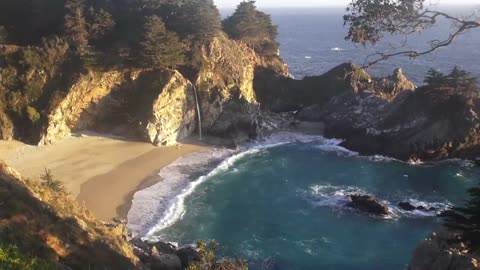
285 206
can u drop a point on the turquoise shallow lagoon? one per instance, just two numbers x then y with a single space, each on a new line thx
285 205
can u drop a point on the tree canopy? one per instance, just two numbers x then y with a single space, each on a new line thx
457 78
75 23
159 48
253 27
198 20
369 20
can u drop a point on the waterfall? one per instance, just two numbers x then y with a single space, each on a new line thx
198 113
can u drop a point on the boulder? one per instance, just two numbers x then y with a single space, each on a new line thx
368 204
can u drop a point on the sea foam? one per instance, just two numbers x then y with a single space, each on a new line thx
337 198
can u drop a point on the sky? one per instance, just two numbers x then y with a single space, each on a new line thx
321 3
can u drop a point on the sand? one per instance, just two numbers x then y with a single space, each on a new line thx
103 173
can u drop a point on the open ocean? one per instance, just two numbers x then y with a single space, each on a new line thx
312 42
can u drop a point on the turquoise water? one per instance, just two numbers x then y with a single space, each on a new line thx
285 207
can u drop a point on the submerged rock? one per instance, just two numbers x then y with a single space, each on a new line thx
368 204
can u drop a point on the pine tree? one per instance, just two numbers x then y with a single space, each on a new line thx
459 78
198 20
435 78
75 25
100 23
160 48
252 27
467 219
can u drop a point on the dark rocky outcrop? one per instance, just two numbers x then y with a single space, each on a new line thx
443 251
430 124
407 206
279 93
368 204
163 256
389 116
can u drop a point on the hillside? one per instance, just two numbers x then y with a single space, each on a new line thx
43 222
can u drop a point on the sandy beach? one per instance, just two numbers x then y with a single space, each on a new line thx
103 173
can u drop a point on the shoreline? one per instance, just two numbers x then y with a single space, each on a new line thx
161 205
102 173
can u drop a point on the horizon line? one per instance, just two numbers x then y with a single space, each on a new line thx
343 6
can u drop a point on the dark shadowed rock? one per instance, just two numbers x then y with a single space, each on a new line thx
165 248
165 262
368 204
407 206
443 251
187 255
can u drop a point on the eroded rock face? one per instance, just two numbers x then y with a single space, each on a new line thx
82 105
156 106
368 204
429 124
159 106
443 251
6 127
173 114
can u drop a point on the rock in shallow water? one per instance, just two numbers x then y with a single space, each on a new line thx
410 207
368 204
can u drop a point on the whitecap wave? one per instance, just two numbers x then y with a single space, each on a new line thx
333 196
333 145
336 49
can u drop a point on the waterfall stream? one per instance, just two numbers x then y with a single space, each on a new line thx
198 113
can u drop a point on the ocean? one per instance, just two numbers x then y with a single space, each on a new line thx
281 202
312 42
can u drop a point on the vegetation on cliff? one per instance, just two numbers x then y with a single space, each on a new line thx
253 27
42 228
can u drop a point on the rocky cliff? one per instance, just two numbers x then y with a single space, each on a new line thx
388 116
443 251
157 106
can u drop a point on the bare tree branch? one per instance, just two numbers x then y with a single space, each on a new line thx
369 20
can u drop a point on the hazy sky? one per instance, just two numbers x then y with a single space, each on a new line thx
320 3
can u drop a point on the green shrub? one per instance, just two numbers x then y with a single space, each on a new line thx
208 259
12 259
32 114
49 181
